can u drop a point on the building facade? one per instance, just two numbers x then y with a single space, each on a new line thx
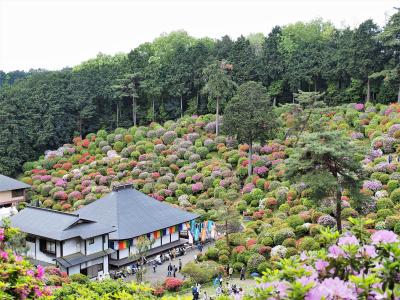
12 191
103 234
74 244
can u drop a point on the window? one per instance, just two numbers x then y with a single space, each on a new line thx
91 241
47 246
92 271
17 193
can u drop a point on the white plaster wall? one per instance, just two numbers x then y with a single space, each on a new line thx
123 253
175 236
97 246
70 246
114 255
156 243
31 250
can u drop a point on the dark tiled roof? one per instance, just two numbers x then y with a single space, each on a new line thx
133 213
56 225
9 184
78 258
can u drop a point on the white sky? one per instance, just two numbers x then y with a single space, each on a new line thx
52 34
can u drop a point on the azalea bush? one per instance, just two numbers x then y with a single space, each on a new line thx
19 279
351 266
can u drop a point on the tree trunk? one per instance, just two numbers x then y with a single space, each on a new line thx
226 233
216 118
250 165
181 106
134 110
315 85
368 91
398 96
80 125
154 110
339 209
274 102
117 115
197 102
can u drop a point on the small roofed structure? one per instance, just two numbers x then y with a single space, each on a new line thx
12 192
134 214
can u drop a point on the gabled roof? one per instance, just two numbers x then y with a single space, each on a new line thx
56 225
133 213
9 184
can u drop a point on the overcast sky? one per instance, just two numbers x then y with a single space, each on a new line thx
52 34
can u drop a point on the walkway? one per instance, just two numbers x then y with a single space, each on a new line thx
161 270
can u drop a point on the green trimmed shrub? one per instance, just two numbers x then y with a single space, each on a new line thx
349 212
308 244
254 261
391 221
383 213
294 221
384 203
282 235
395 195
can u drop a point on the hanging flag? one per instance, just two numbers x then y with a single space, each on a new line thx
155 234
203 234
116 245
180 227
164 231
121 245
176 228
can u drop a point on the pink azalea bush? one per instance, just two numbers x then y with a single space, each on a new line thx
354 266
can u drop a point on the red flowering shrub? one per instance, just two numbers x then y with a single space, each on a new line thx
173 284
239 249
263 250
250 243
159 291
258 215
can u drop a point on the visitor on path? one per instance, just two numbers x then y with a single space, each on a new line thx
173 253
230 272
180 265
205 296
218 291
154 266
220 280
195 293
242 273
169 270
198 287
195 258
174 270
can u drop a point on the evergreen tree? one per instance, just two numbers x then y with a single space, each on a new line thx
326 162
249 116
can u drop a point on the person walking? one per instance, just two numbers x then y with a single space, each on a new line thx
174 270
154 266
169 270
195 293
230 272
205 296
242 273
218 291
180 265
220 280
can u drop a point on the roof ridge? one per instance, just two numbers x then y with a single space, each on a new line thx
52 210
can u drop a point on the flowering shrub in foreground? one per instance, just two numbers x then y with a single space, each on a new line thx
351 266
18 278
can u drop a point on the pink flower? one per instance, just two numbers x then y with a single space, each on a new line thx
2 234
320 265
4 255
30 273
303 256
368 251
348 240
384 236
332 288
359 106
336 252
18 258
40 272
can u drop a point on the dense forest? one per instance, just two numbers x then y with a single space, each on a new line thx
177 74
